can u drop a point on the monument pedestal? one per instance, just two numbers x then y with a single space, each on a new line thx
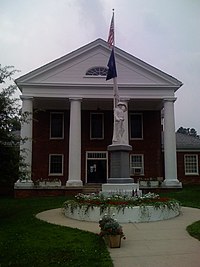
119 164
119 181
121 189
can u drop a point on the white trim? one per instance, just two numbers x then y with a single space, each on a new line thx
103 68
99 43
197 164
188 150
96 158
55 174
97 152
97 91
132 168
57 138
93 76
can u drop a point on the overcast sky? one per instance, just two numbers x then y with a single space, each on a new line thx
163 33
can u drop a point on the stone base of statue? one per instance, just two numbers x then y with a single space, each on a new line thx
119 164
129 189
119 180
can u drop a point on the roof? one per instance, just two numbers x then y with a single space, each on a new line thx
187 142
56 67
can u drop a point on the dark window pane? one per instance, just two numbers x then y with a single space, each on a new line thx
96 126
56 125
136 126
56 164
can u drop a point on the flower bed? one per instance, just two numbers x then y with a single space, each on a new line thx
149 207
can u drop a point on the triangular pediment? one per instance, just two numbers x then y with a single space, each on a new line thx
71 70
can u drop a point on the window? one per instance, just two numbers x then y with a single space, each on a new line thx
191 164
97 71
137 165
96 125
97 155
136 129
55 164
56 125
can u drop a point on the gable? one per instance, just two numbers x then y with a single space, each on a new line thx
71 70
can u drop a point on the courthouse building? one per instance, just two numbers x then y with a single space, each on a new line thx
71 120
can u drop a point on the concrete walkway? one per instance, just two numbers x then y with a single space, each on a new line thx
153 244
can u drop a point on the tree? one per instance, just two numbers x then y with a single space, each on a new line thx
188 131
9 126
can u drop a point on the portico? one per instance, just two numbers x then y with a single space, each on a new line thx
83 103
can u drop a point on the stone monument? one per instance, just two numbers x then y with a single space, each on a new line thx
119 180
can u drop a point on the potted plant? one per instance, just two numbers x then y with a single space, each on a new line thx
154 182
143 182
49 182
111 230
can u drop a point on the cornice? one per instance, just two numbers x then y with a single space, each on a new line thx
123 85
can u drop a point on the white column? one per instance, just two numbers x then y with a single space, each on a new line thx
74 178
170 145
26 136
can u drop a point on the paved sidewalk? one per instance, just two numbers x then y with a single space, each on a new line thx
154 244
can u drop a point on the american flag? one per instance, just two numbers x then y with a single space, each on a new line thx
111 33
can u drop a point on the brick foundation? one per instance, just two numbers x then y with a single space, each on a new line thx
26 193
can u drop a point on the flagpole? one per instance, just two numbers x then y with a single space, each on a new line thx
115 86
112 71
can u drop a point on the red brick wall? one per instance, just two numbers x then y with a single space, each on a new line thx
43 145
150 145
186 179
25 193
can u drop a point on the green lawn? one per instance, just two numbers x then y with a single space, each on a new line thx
27 241
189 196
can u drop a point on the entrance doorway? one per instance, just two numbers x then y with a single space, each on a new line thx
96 167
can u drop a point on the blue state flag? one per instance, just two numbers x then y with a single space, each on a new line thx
112 72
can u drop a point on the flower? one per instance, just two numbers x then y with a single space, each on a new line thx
109 226
119 201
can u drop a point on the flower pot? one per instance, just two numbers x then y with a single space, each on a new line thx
50 183
114 241
143 183
154 183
